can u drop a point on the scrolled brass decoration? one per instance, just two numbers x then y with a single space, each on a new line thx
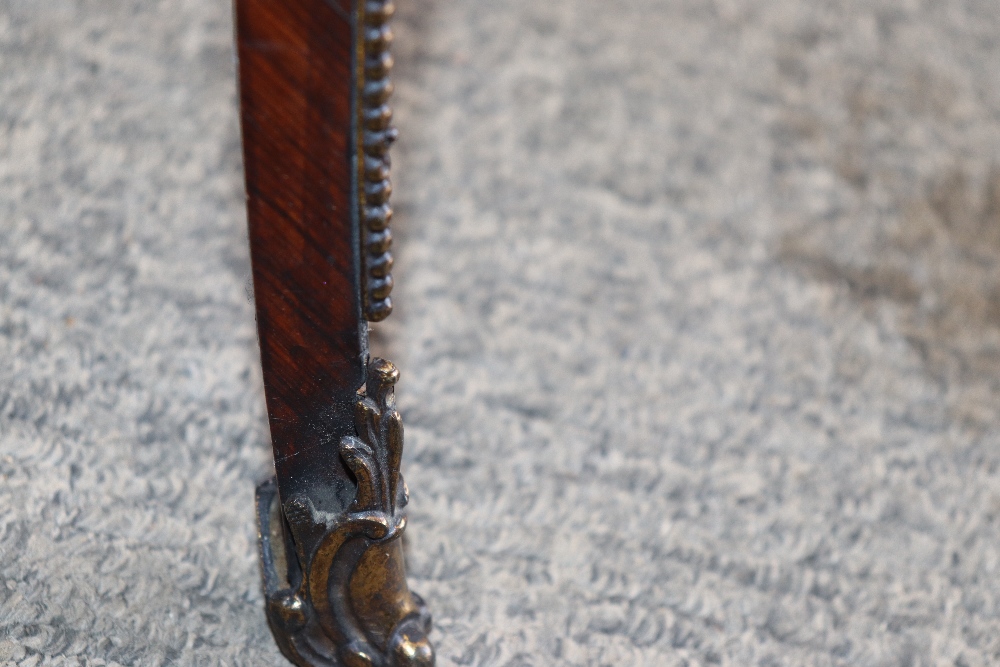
377 134
347 603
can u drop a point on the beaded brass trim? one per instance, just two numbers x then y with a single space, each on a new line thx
374 138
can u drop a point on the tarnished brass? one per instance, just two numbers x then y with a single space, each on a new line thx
347 602
375 115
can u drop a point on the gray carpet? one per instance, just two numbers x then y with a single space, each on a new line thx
698 317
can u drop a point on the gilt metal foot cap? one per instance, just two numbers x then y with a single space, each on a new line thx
347 603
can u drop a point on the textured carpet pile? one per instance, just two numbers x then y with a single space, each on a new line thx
698 315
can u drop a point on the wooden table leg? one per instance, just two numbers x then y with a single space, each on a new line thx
314 86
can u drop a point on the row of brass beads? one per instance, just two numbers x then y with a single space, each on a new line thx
377 136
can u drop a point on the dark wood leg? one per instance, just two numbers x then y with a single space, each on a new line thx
314 86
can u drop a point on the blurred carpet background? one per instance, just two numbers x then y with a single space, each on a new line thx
698 316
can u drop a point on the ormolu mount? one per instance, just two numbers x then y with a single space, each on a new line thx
316 132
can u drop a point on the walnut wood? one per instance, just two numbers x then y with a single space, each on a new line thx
297 82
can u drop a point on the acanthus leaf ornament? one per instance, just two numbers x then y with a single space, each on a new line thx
347 603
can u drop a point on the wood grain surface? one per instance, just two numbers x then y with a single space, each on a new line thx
296 93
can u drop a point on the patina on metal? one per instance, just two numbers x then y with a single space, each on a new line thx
314 86
348 600
377 134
